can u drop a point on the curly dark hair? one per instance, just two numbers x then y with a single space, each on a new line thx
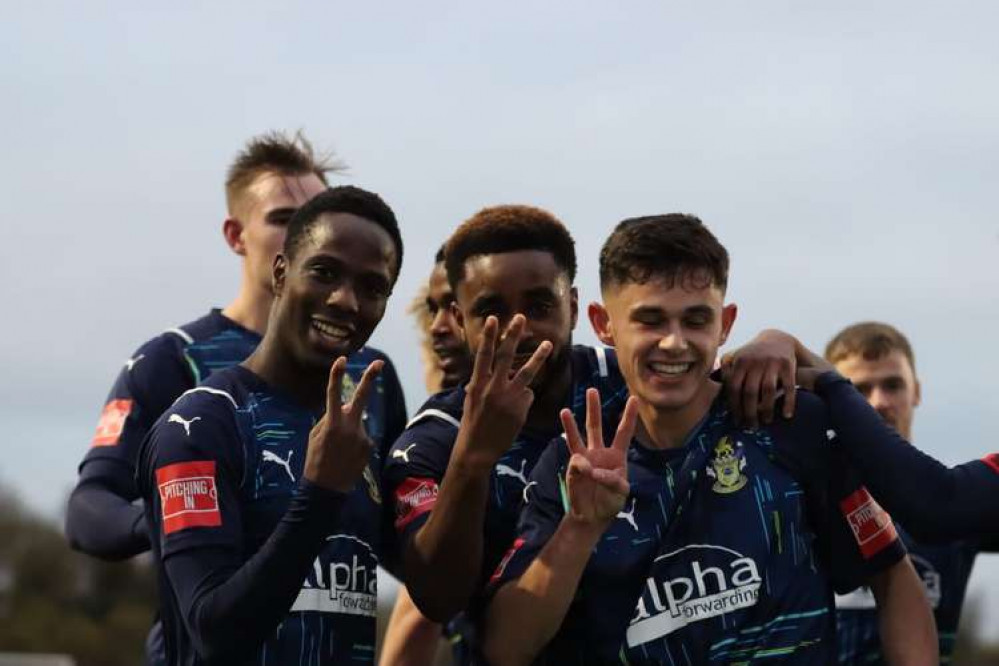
344 199
674 247
509 228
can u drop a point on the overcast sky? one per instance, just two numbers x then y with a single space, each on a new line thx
846 155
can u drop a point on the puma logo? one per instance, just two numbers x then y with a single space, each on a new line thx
177 418
404 453
506 470
130 363
629 515
270 456
524 494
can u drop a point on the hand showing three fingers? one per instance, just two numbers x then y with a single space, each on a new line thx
597 477
339 446
496 398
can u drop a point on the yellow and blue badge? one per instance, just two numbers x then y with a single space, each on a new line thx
726 466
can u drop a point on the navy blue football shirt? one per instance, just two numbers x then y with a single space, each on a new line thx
944 570
419 458
259 566
727 549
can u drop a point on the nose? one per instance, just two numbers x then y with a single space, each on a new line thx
342 297
879 399
673 340
440 324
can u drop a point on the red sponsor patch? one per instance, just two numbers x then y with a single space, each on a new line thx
992 460
188 495
413 498
112 423
872 526
501 567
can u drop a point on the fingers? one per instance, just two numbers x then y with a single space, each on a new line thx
508 346
333 387
751 397
530 369
364 388
483 366
594 423
626 428
787 377
611 479
573 440
768 394
733 375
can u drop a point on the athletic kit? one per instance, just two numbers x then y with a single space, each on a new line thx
727 549
951 503
943 570
419 459
102 520
258 565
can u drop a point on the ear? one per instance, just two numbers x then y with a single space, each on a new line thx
729 313
919 394
279 272
601 323
232 231
574 306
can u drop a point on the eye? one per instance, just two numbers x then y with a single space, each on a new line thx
894 384
697 320
539 310
324 273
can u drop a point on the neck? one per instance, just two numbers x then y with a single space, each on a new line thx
669 428
305 385
251 307
543 414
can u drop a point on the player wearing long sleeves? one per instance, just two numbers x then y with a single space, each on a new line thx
696 540
260 485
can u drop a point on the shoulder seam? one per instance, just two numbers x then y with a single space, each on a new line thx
441 414
181 333
213 391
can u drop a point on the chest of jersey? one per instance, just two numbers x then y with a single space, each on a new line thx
718 553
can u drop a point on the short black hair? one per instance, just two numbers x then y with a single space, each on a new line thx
674 247
509 228
344 199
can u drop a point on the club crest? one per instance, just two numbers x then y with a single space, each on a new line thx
726 466
347 388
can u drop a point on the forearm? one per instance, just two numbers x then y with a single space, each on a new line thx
932 501
905 620
444 561
224 603
410 639
101 519
526 613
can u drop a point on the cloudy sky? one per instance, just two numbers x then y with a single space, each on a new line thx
845 154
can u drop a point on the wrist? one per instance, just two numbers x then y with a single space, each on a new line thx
584 532
472 461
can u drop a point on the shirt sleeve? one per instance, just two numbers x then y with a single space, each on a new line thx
191 475
101 517
857 538
932 501
540 516
413 473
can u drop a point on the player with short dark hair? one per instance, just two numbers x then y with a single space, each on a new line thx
260 485
683 537
878 359
268 180
458 473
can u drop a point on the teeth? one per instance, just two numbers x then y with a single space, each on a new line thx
670 368
331 330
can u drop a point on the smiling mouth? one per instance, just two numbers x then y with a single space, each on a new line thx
670 370
336 333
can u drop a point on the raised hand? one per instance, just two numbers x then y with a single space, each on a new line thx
497 399
598 475
339 446
754 372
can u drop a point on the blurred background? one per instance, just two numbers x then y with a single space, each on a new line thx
845 154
